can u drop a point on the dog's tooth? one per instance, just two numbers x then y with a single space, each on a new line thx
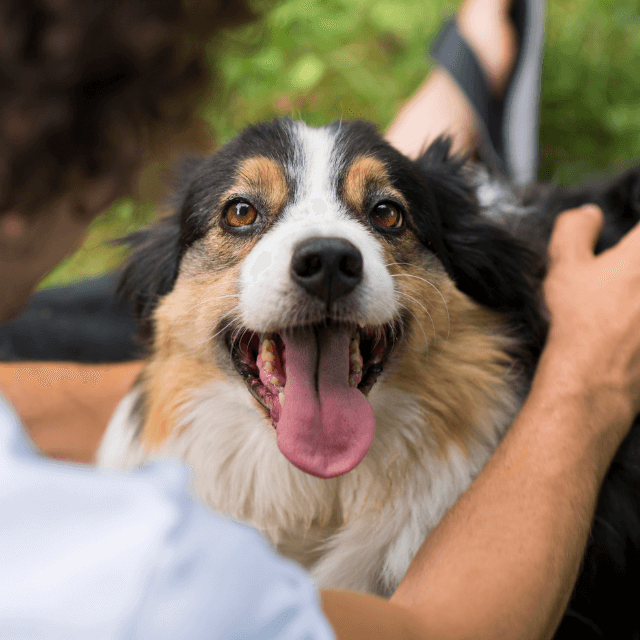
275 381
281 398
267 356
268 367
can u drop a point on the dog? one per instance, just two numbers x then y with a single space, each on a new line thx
338 339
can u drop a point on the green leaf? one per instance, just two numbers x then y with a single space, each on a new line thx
307 71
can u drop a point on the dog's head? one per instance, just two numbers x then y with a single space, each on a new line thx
306 262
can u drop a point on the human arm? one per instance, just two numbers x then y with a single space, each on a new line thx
503 561
65 406
513 544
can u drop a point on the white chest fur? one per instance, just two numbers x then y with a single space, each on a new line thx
358 531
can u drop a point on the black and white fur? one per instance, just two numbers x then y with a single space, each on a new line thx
484 247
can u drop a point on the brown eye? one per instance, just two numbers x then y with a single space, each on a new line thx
386 215
240 214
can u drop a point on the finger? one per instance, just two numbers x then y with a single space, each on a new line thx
575 234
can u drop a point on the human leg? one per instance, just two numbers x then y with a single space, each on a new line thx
484 93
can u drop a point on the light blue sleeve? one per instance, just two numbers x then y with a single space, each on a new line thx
90 555
220 579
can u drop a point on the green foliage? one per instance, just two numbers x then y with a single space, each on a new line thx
322 60
591 89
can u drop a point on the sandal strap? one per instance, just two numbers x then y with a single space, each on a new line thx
452 53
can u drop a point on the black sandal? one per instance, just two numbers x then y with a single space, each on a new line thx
509 128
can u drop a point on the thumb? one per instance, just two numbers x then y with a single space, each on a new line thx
575 233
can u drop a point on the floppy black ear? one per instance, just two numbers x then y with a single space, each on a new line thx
620 203
619 199
151 270
485 260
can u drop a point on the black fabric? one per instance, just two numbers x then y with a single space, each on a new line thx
77 323
452 53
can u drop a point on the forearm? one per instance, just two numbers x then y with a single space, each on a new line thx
65 407
503 561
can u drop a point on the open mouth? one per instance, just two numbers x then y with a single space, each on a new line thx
314 380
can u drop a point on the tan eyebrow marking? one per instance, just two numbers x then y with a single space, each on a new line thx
264 176
367 173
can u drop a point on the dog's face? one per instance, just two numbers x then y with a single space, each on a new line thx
306 264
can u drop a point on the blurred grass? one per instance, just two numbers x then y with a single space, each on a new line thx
321 60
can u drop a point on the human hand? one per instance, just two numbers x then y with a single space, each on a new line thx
594 307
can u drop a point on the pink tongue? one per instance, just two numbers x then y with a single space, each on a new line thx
326 426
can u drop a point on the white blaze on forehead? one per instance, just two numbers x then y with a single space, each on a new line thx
315 195
269 298
316 146
318 207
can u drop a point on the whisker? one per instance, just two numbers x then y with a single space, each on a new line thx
238 334
399 264
229 324
435 337
446 306
199 302
231 311
426 340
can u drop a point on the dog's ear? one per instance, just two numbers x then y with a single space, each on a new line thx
619 199
485 260
489 264
151 270
152 267
620 202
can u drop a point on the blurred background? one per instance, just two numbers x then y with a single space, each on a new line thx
321 60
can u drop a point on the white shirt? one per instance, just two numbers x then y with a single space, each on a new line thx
91 554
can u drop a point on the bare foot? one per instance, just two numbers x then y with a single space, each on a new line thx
488 30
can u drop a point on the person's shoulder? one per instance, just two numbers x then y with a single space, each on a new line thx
73 538
168 566
224 580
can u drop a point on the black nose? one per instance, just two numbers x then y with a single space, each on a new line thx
327 268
